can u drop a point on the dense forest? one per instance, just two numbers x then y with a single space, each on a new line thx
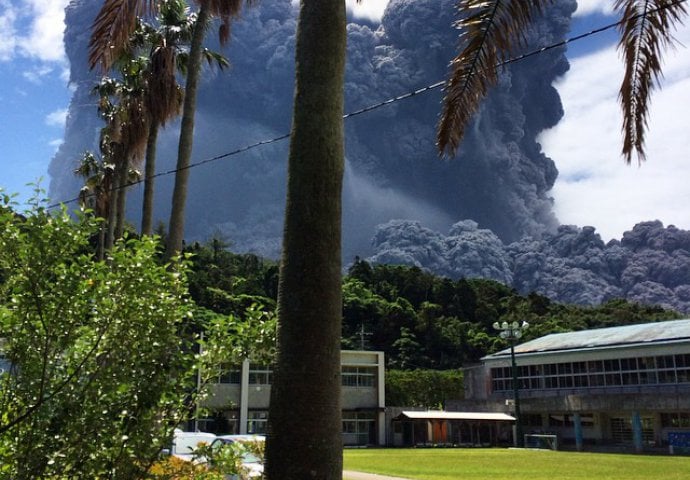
420 320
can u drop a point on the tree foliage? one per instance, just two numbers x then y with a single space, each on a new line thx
97 351
490 30
422 321
423 388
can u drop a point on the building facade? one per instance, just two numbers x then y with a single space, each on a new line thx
238 401
627 386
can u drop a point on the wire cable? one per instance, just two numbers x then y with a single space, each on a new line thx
384 103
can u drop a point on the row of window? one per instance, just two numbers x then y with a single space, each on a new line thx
360 425
675 420
666 369
668 420
351 376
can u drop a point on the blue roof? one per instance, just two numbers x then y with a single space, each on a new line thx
646 333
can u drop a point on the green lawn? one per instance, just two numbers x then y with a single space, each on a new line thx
497 464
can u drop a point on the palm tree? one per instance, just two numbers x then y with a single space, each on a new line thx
489 29
164 95
124 136
226 10
305 428
113 25
95 194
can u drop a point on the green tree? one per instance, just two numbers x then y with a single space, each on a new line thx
490 29
123 138
423 388
110 38
305 428
164 95
98 359
225 9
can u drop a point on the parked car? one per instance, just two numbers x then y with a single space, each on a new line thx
184 444
251 463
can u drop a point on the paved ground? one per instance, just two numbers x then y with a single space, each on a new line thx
349 475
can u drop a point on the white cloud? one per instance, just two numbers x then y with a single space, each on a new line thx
47 24
371 9
8 17
36 73
56 143
32 29
594 186
588 7
56 118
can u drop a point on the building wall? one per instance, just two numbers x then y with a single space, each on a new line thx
640 415
245 403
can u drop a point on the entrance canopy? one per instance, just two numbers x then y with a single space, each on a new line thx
441 415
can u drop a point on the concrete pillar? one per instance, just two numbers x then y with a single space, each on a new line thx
577 422
381 394
244 397
637 431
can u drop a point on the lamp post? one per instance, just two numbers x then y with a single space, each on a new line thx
512 331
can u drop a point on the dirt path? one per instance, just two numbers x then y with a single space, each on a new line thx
350 475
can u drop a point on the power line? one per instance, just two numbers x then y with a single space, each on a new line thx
392 100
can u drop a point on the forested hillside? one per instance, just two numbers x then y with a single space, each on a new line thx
418 319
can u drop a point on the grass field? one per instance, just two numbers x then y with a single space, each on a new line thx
498 464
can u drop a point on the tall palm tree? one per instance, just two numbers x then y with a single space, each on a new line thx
305 428
164 95
225 10
490 28
124 136
112 28
95 194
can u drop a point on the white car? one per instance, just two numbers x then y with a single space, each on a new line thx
184 443
252 465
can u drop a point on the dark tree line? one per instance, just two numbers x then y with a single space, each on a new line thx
420 320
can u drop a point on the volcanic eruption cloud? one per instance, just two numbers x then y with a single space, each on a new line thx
485 213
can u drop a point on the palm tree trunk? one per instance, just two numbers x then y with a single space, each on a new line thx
112 215
149 172
305 429
123 180
184 152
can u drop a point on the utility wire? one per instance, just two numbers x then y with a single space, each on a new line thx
384 103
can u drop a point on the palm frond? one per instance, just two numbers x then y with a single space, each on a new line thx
489 29
226 10
111 29
646 30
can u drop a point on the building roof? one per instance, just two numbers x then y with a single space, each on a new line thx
642 334
441 415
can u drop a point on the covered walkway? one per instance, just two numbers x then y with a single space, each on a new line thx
412 428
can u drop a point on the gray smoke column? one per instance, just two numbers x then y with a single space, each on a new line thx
501 178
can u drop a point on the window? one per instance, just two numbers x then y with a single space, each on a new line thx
597 381
565 368
683 361
595 366
358 428
612 365
229 375
260 375
628 364
579 367
665 362
359 376
630 378
257 421
613 379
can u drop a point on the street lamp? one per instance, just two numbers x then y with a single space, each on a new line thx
512 331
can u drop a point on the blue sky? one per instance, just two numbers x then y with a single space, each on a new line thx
594 186
35 93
